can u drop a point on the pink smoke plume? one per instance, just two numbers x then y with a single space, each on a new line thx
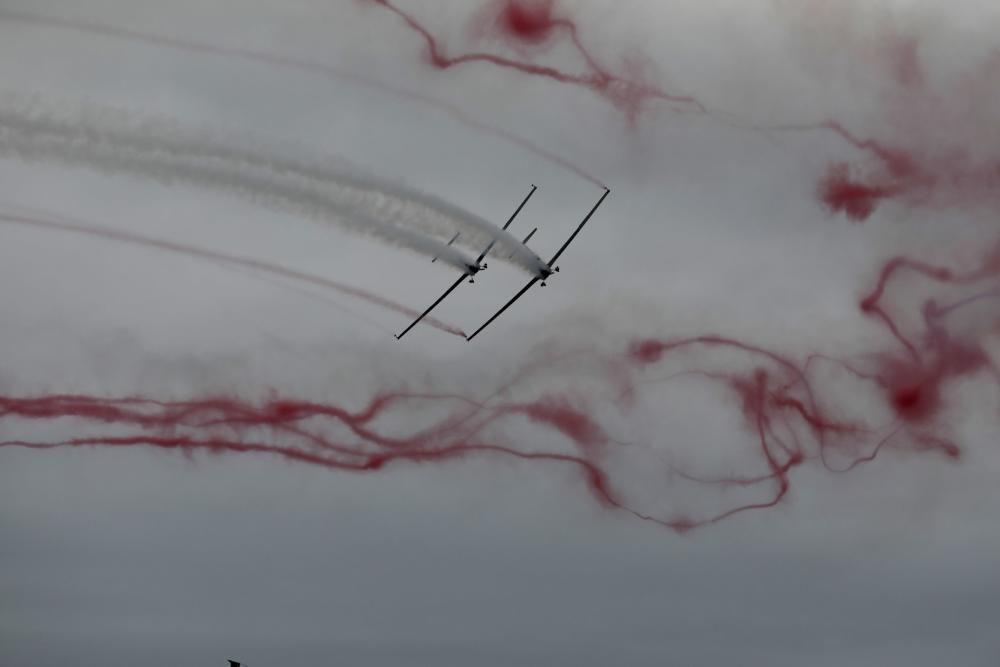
534 23
909 169
793 412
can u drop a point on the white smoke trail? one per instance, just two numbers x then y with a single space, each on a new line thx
122 142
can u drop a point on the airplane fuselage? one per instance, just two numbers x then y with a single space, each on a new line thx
546 271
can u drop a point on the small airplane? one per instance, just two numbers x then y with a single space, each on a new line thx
541 275
470 269
546 270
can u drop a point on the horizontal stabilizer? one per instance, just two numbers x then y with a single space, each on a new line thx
524 242
453 239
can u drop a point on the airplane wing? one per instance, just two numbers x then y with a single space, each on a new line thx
551 263
467 274
434 305
579 227
531 283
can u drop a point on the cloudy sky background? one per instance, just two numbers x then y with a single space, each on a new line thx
127 556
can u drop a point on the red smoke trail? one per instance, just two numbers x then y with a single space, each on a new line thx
107 233
914 381
895 172
938 127
857 190
211 418
794 412
326 71
913 169
932 159
534 23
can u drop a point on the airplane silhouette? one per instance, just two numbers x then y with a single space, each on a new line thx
540 275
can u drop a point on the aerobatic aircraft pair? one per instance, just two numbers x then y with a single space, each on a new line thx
541 274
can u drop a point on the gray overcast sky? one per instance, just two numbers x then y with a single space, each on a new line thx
126 556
